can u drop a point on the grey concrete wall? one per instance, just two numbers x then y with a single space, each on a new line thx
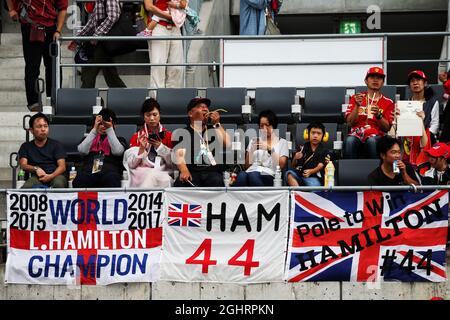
164 290
215 20
348 6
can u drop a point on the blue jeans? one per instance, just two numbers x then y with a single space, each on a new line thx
253 179
302 181
354 148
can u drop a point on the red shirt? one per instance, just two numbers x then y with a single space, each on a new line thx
365 128
43 12
162 4
167 141
447 87
412 152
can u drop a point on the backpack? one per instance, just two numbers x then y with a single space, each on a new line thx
275 5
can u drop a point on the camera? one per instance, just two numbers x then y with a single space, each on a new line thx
155 136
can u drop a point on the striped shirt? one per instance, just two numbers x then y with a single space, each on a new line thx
106 13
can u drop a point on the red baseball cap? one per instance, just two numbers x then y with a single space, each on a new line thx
439 149
417 73
375 71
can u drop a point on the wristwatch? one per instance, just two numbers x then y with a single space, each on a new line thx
217 125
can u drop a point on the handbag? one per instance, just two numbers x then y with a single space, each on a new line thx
271 27
125 26
37 33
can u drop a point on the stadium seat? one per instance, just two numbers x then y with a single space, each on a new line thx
74 106
279 100
173 102
127 104
323 104
354 172
126 131
331 128
230 99
70 136
282 128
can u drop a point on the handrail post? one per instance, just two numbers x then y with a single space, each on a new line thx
221 58
385 56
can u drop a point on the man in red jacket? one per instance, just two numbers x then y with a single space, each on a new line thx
41 23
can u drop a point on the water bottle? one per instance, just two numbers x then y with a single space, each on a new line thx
329 174
226 178
277 182
124 181
20 179
72 175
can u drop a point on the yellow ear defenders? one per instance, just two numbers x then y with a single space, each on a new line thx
325 138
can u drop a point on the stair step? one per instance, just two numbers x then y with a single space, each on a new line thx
12 98
10 133
13 51
5 177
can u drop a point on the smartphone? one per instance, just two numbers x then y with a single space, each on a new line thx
106 118
155 136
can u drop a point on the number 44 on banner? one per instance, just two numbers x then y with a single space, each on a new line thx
205 248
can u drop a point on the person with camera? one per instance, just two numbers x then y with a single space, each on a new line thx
102 151
310 159
149 158
264 154
41 23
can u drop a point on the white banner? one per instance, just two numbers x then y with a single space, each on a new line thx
217 236
83 238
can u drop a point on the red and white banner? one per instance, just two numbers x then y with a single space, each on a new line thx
217 236
83 238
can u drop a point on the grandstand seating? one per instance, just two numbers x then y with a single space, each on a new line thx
173 102
230 99
126 131
70 136
127 103
279 100
354 172
74 106
324 104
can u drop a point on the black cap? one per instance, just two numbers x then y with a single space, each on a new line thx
196 101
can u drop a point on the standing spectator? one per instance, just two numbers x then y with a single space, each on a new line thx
389 152
106 13
439 173
369 115
264 154
418 84
41 23
43 158
252 17
165 51
310 160
194 156
149 158
102 150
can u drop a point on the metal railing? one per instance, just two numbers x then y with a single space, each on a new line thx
222 38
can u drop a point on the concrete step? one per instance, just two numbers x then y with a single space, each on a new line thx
5 177
12 119
14 50
12 133
12 98
19 84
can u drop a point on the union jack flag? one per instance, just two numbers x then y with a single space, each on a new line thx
397 230
184 215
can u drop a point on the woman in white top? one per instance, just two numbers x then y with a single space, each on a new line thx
264 154
148 160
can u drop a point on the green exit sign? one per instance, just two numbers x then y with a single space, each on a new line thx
350 27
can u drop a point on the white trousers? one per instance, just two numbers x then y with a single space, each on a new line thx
166 51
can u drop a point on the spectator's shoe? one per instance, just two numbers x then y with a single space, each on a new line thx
35 107
145 33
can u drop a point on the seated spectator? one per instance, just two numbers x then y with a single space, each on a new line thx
439 172
102 150
369 115
310 160
418 84
264 154
194 156
42 157
389 152
149 157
